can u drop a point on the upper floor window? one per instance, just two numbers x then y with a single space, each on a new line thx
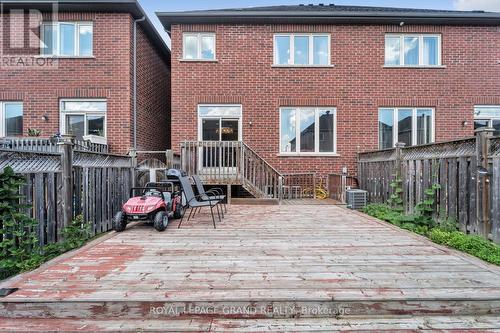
487 116
412 126
407 50
83 117
198 46
302 49
307 130
11 119
67 39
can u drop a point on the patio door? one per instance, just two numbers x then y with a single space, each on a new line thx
219 130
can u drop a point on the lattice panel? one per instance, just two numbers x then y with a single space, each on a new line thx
30 162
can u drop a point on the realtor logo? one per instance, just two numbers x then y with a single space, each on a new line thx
21 42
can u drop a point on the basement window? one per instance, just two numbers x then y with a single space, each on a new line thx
67 39
198 46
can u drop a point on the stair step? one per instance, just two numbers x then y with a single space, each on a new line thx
251 309
201 324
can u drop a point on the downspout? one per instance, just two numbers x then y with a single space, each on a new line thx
135 80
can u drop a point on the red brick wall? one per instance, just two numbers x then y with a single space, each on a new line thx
153 96
358 85
107 75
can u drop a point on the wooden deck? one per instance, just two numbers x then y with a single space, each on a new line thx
266 268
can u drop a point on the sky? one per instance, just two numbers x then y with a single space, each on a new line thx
152 6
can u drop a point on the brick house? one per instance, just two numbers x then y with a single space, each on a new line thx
69 68
308 86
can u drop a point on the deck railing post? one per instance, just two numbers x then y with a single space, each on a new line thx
280 189
66 149
483 180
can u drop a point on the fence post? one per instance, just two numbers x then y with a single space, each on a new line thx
66 149
483 179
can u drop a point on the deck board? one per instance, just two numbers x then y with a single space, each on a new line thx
300 255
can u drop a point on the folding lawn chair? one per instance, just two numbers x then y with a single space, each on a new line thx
213 193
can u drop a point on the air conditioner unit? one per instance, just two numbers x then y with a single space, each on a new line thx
356 199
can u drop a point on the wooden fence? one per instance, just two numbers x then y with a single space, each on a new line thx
61 185
338 184
468 172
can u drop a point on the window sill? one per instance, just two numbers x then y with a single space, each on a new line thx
64 57
302 66
308 155
198 60
415 67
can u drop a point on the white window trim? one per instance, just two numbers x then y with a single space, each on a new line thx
198 36
414 125
63 113
200 119
292 49
2 115
489 118
316 132
77 25
420 50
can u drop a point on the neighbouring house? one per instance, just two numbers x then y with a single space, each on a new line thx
68 67
307 87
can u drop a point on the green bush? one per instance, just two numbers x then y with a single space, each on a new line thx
474 245
19 245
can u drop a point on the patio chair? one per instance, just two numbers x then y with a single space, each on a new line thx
196 201
213 193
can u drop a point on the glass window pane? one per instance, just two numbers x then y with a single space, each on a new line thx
431 51
385 128
85 35
49 40
496 126
95 125
13 119
190 47
207 47
487 111
307 130
411 50
405 125
67 39
424 126
392 51
229 130
320 51
75 125
478 123
326 131
301 50
210 129
91 106
288 131
282 50
220 111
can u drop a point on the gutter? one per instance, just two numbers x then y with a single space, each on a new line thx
134 84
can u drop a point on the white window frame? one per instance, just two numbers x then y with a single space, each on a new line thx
420 49
489 118
198 36
316 131
292 49
85 114
200 119
3 128
414 125
76 36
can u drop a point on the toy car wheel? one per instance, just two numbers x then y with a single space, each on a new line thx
161 221
179 211
120 221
